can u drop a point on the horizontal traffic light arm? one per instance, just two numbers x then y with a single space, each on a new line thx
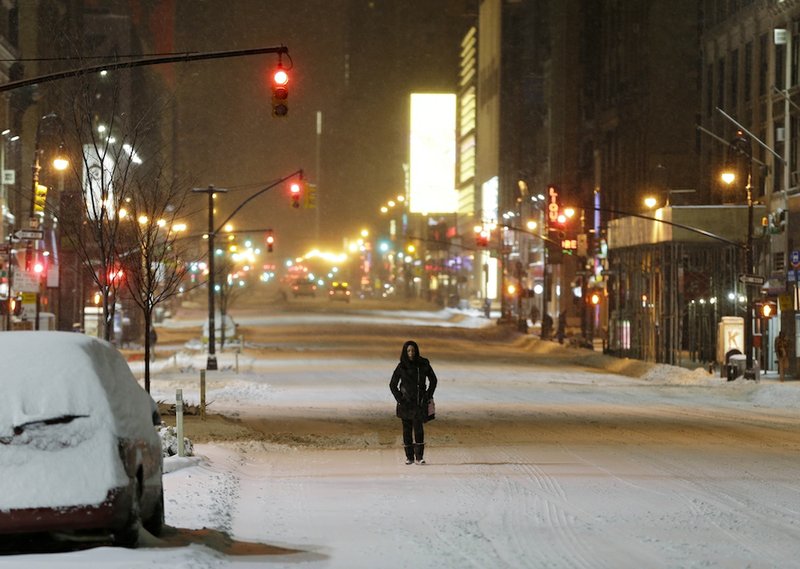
173 58
255 195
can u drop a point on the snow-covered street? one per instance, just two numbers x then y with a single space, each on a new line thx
540 456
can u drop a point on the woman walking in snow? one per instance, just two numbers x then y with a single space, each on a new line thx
413 383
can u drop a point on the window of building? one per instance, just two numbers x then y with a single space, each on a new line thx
710 90
721 83
793 148
795 51
762 65
734 79
780 63
748 71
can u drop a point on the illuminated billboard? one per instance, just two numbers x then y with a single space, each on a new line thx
98 188
433 153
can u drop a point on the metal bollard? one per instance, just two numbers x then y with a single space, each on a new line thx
179 420
203 394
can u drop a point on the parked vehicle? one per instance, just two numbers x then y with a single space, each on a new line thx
231 329
79 451
339 291
304 288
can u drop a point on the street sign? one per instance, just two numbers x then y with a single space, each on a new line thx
751 279
794 258
25 281
29 234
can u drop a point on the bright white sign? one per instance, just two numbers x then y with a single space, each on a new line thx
97 183
433 153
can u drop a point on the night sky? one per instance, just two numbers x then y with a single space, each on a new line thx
356 61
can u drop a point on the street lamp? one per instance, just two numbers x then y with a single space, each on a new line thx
741 146
211 362
38 202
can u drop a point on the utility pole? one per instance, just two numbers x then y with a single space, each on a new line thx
211 363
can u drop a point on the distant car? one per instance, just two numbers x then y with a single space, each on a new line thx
304 288
78 448
339 291
230 329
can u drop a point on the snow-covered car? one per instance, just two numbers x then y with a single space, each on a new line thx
79 452
230 329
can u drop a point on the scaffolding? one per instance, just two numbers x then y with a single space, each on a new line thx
668 288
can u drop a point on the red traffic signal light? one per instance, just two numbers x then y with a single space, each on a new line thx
270 240
295 191
481 237
115 275
280 92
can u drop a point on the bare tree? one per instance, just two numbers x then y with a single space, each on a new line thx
149 245
104 162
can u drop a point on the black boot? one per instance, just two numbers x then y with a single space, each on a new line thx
419 451
409 453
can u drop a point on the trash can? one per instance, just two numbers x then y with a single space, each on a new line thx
736 366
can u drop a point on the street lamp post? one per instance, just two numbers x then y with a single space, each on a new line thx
741 146
211 362
60 163
748 317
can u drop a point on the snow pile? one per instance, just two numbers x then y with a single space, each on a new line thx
673 375
169 442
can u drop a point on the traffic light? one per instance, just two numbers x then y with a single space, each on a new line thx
116 275
481 237
270 240
768 309
39 199
296 191
280 92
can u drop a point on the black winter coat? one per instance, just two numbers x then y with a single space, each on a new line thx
412 384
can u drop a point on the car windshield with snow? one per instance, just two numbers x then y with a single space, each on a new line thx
78 447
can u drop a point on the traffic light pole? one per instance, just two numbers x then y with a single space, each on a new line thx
211 362
748 317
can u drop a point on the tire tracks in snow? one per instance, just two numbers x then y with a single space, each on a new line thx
524 501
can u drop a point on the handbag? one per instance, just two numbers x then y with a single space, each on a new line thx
431 414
